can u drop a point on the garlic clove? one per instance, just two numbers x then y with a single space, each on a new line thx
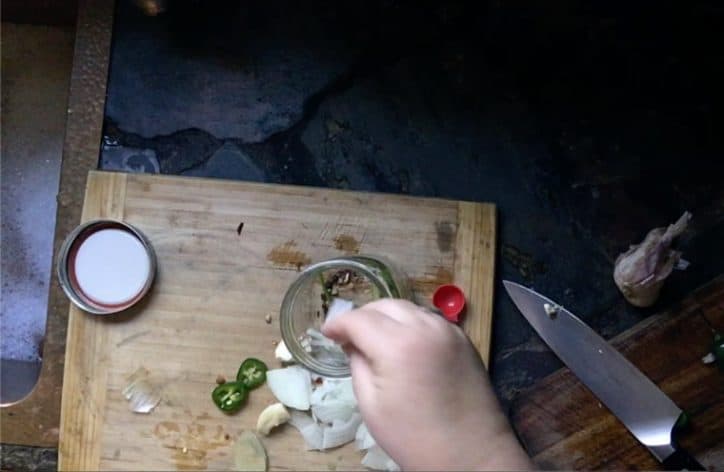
271 417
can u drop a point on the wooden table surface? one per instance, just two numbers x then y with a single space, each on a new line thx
564 426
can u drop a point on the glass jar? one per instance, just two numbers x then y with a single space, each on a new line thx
358 279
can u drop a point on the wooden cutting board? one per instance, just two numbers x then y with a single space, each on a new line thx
563 426
214 287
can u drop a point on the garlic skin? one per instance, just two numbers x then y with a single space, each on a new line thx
640 272
249 454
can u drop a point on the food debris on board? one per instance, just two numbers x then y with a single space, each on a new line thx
640 272
249 453
141 393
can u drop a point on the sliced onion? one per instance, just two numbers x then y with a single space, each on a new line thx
363 439
329 411
341 432
291 385
317 339
376 458
339 306
308 428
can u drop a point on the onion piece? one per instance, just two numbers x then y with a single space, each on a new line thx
249 453
339 306
363 439
141 393
317 339
282 353
341 432
329 411
333 389
291 385
308 428
376 458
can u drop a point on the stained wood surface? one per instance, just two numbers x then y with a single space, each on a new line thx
214 287
563 425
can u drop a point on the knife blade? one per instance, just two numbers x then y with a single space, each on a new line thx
632 397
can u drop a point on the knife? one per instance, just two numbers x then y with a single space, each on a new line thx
641 406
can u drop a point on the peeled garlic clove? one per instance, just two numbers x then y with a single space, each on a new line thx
271 417
640 272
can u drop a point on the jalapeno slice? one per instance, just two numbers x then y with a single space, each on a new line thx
229 396
252 373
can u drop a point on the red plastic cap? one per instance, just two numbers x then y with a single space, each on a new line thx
450 300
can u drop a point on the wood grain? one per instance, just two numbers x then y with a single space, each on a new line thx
215 286
564 426
84 396
475 269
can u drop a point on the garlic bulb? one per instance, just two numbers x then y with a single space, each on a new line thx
640 272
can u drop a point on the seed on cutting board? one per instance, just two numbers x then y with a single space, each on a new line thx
268 319
220 379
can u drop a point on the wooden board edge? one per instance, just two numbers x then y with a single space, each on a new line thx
288 188
475 244
84 385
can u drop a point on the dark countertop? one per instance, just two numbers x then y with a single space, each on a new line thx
586 125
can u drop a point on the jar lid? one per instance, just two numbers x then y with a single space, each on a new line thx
106 266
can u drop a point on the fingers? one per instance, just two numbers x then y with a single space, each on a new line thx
403 311
362 374
365 329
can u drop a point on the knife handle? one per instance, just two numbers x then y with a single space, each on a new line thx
681 460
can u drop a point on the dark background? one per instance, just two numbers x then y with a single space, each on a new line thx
588 124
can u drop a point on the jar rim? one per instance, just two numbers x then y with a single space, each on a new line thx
356 263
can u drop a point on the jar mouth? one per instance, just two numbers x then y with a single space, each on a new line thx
290 332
